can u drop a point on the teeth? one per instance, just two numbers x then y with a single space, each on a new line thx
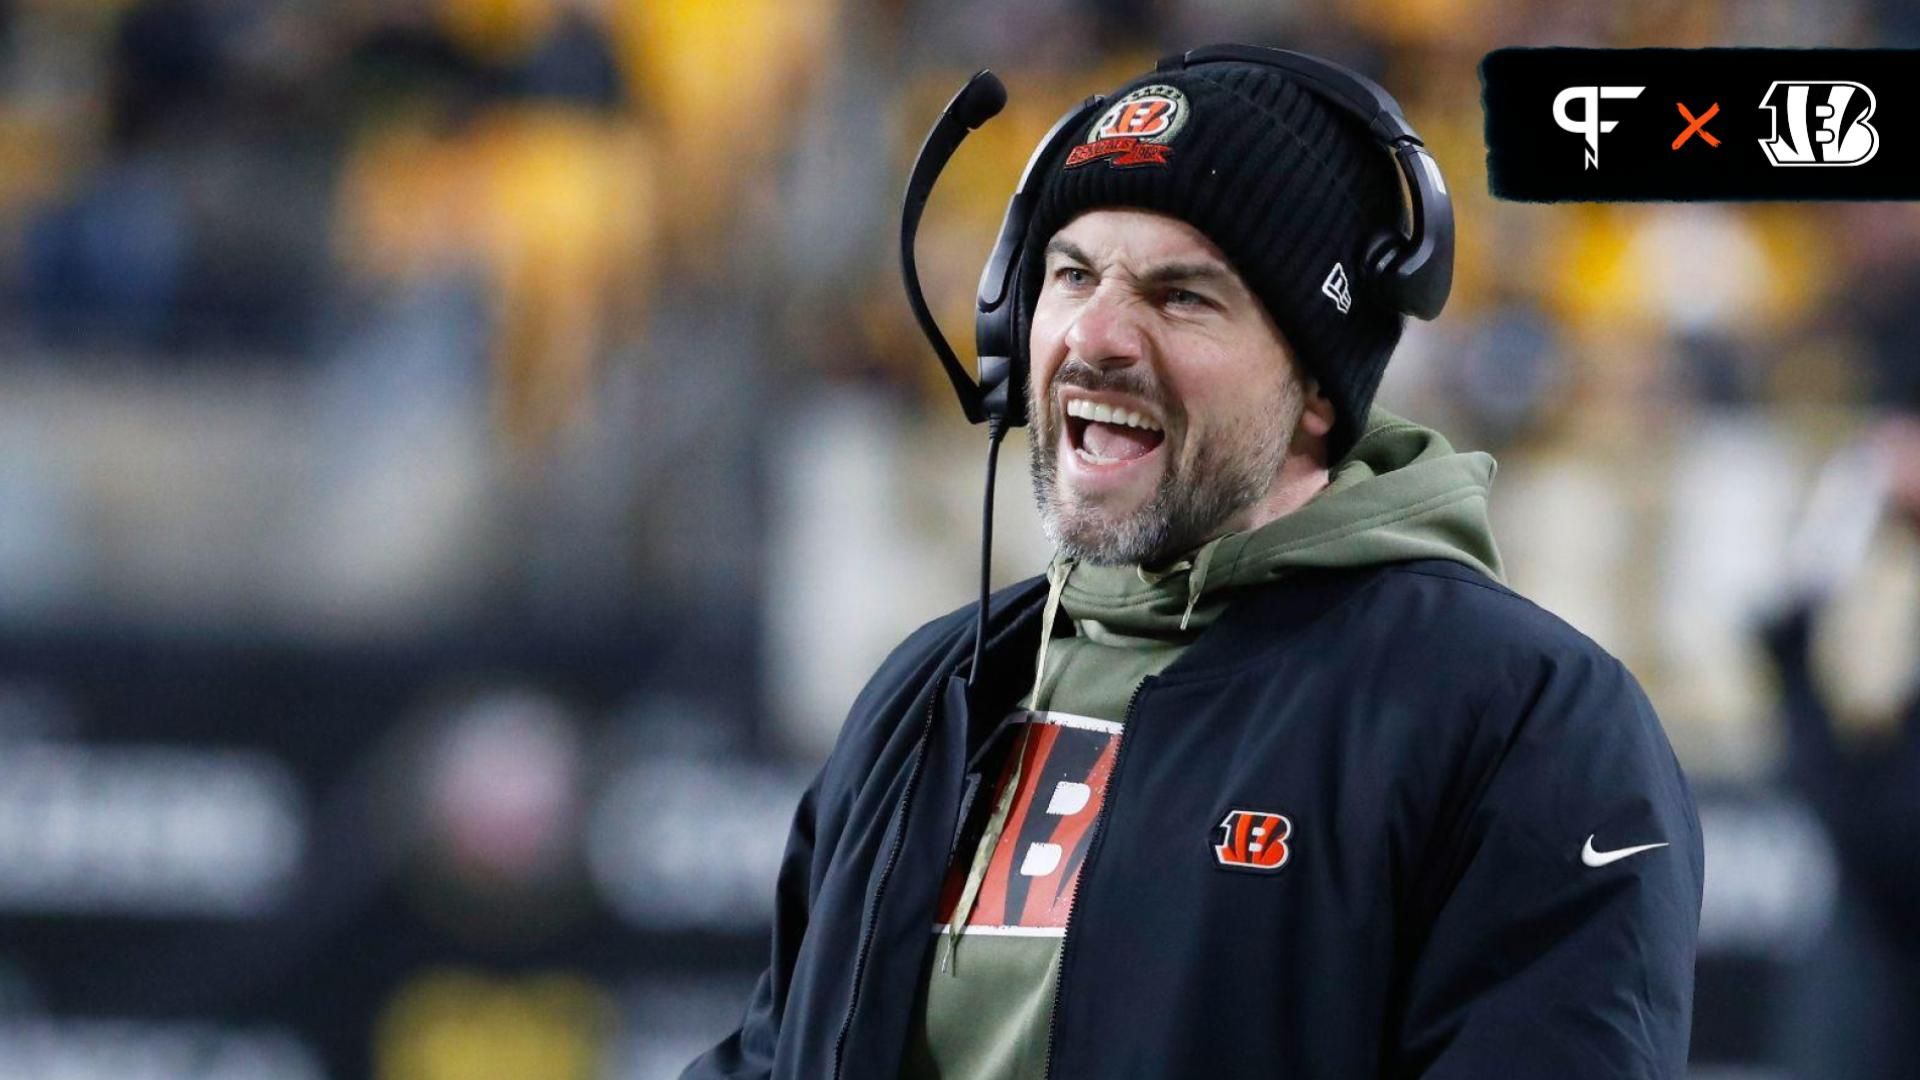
1108 414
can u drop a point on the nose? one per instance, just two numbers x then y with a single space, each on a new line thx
1106 331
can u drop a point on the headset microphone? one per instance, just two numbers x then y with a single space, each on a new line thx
977 102
1000 393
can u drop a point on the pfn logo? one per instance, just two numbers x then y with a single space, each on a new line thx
1253 840
1826 124
1588 124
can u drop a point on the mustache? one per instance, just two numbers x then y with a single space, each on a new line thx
1128 380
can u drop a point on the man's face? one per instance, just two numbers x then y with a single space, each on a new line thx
1162 397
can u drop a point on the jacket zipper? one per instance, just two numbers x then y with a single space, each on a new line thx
886 875
1093 850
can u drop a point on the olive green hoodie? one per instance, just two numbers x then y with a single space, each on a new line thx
1402 493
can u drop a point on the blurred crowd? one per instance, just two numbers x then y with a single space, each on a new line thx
379 318
380 323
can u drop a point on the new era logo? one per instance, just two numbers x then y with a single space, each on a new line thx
1335 287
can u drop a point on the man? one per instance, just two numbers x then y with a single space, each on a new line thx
1853 739
1270 776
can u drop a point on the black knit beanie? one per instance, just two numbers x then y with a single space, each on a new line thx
1289 188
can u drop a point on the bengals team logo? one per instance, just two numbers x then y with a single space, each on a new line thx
1253 840
1819 123
1135 130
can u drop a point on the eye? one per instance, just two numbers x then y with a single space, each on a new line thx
1073 277
1185 298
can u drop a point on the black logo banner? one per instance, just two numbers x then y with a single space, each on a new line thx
1599 125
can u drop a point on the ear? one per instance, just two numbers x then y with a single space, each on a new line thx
1318 417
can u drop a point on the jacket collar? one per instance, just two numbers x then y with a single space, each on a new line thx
1259 618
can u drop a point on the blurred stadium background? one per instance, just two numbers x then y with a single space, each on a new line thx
458 458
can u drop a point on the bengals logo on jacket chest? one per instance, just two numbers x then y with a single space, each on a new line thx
1253 840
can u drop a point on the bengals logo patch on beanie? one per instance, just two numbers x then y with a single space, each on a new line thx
1136 130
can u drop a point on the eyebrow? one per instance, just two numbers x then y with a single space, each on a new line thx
1190 273
1060 245
1163 274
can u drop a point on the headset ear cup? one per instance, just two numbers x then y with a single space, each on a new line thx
1383 254
1000 339
1020 316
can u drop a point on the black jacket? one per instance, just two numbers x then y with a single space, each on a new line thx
1444 750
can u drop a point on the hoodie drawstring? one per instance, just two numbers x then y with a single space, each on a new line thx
1057 574
1197 580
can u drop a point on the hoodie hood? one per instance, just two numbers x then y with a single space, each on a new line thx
1402 493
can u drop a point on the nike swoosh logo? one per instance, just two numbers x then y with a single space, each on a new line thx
1602 858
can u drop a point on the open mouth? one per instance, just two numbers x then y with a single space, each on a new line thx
1110 435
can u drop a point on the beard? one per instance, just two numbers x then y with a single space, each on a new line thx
1191 503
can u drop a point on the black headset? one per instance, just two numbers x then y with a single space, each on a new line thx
1412 273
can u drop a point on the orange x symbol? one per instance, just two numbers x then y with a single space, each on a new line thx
1697 125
